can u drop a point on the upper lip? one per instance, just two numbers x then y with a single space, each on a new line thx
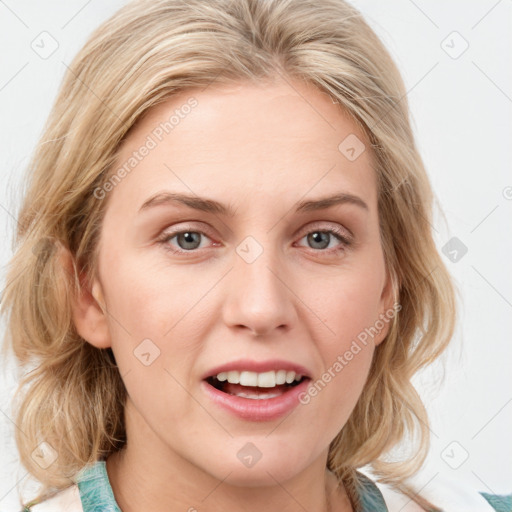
258 367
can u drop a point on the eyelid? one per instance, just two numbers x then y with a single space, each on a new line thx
337 228
344 235
166 235
308 228
179 228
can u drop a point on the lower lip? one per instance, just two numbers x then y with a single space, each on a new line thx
266 409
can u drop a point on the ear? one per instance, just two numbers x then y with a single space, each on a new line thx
389 308
88 307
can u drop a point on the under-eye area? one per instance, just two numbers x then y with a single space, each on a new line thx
233 262
254 385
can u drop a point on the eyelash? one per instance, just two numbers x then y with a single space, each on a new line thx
338 233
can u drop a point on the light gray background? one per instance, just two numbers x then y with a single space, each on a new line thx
461 107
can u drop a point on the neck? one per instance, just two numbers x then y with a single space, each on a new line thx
146 475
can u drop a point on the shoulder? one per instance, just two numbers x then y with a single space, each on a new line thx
447 494
67 500
90 492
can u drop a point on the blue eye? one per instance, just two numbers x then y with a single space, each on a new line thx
189 240
322 239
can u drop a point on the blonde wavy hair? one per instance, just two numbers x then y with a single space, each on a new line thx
73 396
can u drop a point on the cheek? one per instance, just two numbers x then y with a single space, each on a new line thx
348 347
350 307
157 328
347 305
148 299
346 364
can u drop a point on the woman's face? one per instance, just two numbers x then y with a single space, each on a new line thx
240 274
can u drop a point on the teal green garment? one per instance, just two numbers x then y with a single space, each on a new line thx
97 496
96 493
499 503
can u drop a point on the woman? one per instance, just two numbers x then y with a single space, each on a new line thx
229 273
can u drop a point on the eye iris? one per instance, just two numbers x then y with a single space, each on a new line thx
312 237
188 238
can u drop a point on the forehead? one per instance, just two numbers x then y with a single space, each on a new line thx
273 140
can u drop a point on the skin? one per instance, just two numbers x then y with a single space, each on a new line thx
260 149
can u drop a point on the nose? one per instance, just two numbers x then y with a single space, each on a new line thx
258 297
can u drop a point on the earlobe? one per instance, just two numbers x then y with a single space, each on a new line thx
88 308
90 316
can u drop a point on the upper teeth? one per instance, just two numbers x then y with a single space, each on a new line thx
263 380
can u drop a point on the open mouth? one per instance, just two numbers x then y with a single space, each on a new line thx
253 392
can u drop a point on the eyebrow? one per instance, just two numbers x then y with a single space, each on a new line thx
211 206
